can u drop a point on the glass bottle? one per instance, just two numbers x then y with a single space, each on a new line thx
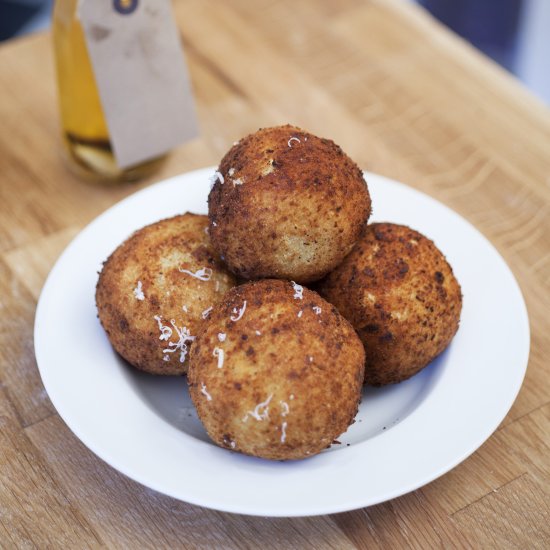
85 132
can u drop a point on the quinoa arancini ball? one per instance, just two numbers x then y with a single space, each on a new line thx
276 372
155 289
398 291
286 204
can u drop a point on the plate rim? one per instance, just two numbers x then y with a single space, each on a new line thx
201 174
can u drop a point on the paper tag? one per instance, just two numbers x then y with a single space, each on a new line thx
139 67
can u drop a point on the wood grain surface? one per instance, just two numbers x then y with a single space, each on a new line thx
404 98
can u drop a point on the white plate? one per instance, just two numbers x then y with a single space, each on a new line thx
405 435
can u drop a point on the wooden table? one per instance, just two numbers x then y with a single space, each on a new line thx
403 97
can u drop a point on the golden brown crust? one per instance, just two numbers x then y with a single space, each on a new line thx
141 290
400 294
292 205
288 382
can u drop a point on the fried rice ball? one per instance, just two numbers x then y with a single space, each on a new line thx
276 372
286 204
155 289
398 291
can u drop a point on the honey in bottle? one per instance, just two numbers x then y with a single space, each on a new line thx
85 131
